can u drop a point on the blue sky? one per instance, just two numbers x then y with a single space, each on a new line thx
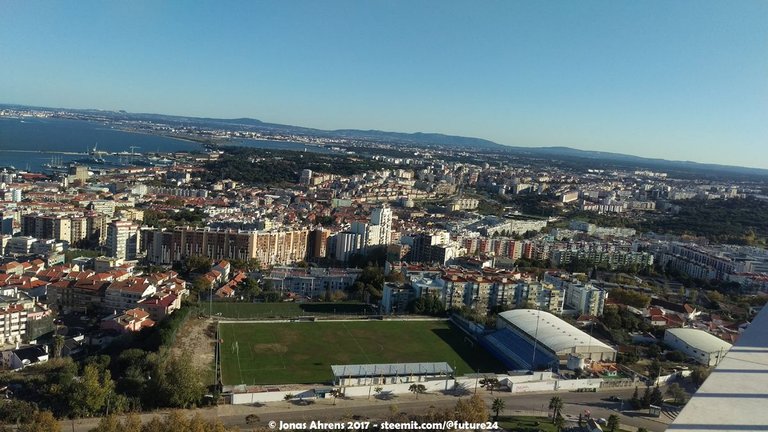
684 80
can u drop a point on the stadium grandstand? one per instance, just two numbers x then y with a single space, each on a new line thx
516 352
533 339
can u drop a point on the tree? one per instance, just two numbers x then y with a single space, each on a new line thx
198 264
497 406
611 318
654 370
132 423
42 421
489 383
471 410
653 351
613 422
90 395
183 385
698 375
556 405
656 397
417 389
675 356
677 393
559 422
58 345
645 402
377 390
335 393
16 411
249 288
635 401
109 423
288 396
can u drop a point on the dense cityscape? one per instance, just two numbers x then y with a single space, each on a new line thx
117 273
442 215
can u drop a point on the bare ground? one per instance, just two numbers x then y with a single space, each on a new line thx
196 339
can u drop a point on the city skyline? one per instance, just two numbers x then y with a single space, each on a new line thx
678 81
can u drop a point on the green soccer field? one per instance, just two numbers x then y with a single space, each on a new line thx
302 353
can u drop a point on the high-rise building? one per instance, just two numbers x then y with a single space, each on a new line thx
123 240
56 227
318 243
306 177
381 224
347 243
585 298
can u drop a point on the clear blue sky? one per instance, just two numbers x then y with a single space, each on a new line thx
683 80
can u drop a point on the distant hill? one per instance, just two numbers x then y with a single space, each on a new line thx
420 138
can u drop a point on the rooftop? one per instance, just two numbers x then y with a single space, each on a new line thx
700 339
733 398
552 331
392 369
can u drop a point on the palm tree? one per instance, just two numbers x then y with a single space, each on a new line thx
556 405
613 422
335 393
497 407
417 389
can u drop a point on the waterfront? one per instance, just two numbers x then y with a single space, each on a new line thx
28 143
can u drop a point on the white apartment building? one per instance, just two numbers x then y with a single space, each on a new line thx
585 298
123 240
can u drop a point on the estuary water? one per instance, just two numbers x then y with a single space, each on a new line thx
28 143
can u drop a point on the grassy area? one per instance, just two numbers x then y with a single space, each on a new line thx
286 309
531 424
526 424
284 353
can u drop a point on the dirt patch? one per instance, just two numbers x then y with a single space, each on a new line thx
196 339
270 348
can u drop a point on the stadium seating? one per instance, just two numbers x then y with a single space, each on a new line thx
516 352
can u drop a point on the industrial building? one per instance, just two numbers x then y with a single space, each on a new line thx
697 344
549 335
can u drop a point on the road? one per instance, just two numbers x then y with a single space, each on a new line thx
325 410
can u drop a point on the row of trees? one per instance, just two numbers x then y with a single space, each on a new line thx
650 397
135 380
173 422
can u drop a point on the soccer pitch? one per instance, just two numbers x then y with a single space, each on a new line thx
302 353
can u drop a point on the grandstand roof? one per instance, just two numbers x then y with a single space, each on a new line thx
552 332
391 369
700 339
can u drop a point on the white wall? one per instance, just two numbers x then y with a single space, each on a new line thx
664 379
535 386
262 397
431 386
578 383
539 382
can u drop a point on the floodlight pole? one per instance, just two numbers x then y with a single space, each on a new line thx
535 340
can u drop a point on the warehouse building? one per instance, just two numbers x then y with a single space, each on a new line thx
546 333
697 344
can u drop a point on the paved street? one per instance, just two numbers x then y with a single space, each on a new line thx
521 404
